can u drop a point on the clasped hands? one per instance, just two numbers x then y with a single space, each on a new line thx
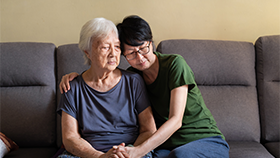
120 151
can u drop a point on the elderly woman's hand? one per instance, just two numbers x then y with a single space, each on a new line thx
131 151
64 85
116 152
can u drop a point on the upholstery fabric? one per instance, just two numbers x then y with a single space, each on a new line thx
28 93
268 75
248 150
216 62
33 153
273 148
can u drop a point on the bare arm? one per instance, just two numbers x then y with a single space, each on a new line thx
178 100
147 129
147 126
73 141
76 145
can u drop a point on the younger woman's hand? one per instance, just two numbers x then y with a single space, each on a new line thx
64 85
118 152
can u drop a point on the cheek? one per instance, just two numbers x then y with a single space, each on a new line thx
118 58
132 62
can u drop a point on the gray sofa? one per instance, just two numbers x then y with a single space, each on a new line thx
238 80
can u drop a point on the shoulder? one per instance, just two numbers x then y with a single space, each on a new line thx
75 84
132 69
171 61
169 58
131 76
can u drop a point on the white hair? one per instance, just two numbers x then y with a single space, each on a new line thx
95 29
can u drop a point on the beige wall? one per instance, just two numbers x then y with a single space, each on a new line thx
60 21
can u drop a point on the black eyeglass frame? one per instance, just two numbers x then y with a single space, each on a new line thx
138 51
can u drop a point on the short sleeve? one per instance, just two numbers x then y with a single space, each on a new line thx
67 103
180 74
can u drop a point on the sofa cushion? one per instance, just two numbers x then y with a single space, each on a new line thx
268 75
248 149
273 148
32 153
28 93
225 74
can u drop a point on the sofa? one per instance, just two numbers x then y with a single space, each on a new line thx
239 82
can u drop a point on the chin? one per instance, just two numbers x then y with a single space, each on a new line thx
141 68
112 68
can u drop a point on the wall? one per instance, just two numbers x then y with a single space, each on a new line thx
60 21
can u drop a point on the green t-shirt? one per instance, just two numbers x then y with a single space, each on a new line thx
198 121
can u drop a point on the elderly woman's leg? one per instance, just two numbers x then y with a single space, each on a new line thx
149 155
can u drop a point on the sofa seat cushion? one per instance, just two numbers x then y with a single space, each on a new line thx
273 148
32 153
248 149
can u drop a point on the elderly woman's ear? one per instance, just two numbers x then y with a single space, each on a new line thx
87 54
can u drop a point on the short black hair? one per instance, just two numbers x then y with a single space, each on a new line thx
134 31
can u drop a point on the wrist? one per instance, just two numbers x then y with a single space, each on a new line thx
140 151
102 155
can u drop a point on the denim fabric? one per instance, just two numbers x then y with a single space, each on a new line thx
66 154
202 148
149 155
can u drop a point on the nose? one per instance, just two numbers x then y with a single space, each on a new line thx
139 56
113 52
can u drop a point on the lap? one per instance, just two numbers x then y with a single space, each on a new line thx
66 154
204 148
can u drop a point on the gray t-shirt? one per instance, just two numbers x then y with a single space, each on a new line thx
107 118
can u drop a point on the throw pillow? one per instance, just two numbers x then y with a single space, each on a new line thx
6 145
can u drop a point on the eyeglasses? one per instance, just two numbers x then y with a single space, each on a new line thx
142 51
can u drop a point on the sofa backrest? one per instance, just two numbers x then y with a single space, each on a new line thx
225 74
268 76
28 93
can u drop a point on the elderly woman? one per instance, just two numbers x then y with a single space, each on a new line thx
106 106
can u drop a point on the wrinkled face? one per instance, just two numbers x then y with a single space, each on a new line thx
142 61
105 53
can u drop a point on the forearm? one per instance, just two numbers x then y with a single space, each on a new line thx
160 136
81 148
142 137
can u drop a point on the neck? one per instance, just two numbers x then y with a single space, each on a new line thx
95 75
102 81
151 73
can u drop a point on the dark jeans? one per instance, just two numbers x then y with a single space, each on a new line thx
202 148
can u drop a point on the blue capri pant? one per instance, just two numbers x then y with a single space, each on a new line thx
202 148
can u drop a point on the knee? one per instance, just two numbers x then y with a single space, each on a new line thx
182 153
